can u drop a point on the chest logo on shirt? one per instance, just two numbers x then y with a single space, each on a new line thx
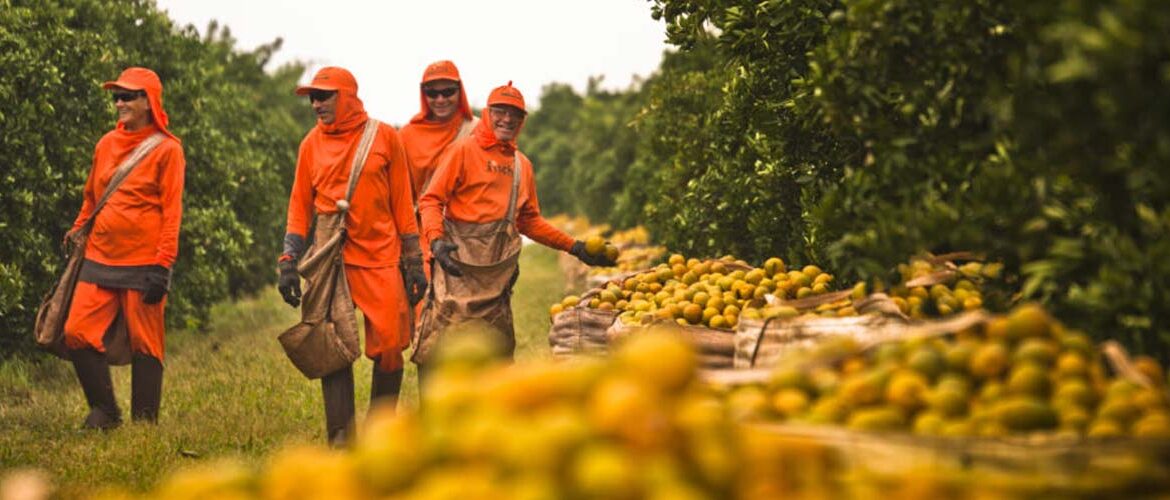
498 168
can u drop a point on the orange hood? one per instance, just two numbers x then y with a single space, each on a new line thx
135 78
351 113
484 135
441 70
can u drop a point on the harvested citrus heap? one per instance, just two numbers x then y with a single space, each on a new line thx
635 426
710 293
1018 373
946 290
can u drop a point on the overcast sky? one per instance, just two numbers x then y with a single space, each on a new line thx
387 44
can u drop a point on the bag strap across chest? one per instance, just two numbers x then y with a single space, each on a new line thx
510 215
360 156
123 170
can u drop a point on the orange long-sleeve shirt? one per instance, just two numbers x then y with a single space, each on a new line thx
380 209
473 184
139 225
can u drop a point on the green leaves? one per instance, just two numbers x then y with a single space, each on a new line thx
240 128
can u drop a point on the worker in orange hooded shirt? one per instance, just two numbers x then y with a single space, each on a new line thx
381 254
479 202
444 117
132 244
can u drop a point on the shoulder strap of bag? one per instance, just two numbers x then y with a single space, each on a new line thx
465 130
144 148
360 156
511 215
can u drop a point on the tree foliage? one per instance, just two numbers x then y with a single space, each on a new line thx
240 128
856 133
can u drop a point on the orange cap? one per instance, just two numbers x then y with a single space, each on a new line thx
440 70
507 95
330 78
135 78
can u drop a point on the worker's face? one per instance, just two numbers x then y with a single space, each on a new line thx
442 98
505 121
324 104
133 108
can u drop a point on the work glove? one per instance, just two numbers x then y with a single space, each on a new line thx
157 280
412 271
67 242
441 252
290 282
600 259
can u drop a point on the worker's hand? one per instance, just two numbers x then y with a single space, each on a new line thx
290 282
414 278
441 251
599 259
67 242
157 281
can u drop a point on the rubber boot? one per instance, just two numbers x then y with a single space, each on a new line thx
94 374
384 387
146 374
337 389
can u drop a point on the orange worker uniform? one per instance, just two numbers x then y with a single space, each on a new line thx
130 248
380 214
467 207
137 228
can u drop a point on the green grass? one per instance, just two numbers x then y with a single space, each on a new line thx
228 393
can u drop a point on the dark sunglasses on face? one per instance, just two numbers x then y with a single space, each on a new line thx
128 96
447 92
321 95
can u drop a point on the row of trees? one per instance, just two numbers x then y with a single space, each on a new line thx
240 128
853 134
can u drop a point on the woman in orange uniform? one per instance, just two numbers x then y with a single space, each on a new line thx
131 248
479 202
383 263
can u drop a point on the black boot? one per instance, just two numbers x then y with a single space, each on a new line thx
94 374
337 388
384 387
146 373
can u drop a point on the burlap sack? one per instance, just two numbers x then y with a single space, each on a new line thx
761 343
326 339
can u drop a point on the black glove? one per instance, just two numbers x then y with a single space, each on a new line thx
600 259
157 278
412 271
290 282
414 278
441 252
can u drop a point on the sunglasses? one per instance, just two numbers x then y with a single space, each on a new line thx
447 92
128 96
321 95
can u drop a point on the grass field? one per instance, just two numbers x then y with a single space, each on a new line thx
228 393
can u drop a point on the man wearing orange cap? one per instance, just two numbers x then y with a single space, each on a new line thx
443 118
132 244
479 202
381 254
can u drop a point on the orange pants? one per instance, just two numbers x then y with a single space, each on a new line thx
94 309
381 296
